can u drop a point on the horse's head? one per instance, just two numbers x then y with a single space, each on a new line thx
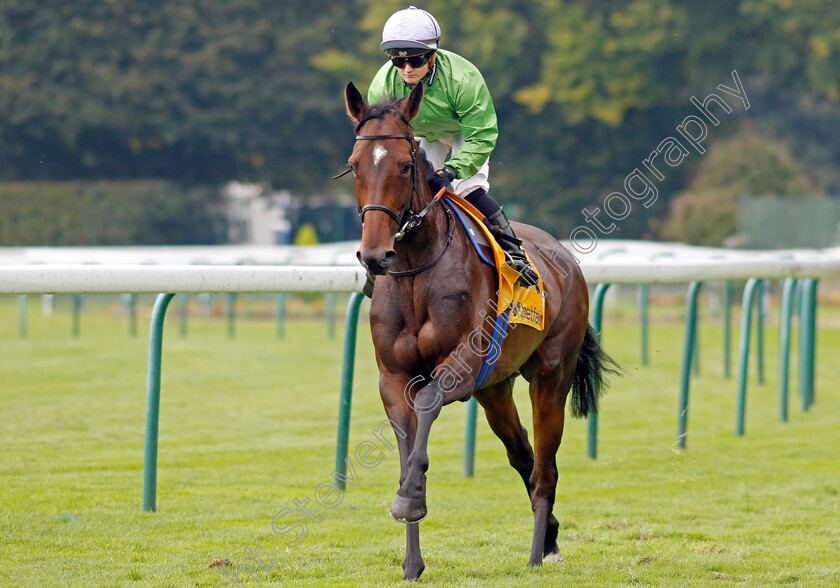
387 172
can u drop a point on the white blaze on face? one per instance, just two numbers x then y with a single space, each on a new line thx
378 153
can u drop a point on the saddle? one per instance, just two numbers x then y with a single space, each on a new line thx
526 305
515 303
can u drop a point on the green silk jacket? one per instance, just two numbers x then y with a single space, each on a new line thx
456 101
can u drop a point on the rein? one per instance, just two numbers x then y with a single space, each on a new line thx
407 219
414 272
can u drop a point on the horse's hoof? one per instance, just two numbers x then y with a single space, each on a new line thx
413 574
408 510
555 557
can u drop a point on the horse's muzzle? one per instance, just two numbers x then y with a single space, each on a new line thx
377 262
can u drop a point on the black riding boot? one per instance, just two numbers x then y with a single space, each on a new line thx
510 244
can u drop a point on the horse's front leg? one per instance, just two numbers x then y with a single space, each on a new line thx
403 418
413 564
410 503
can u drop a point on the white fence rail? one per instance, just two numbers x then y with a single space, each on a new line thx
91 279
334 268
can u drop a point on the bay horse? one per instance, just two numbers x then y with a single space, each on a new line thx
431 294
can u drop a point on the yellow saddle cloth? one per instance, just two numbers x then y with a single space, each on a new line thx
527 305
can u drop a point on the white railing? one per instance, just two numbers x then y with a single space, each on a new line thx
333 269
91 279
284 269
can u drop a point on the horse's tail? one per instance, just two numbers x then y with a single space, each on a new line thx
593 365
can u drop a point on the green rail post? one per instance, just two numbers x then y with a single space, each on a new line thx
22 326
689 345
727 327
597 316
153 402
281 314
183 312
643 319
231 322
346 394
797 298
77 313
469 438
744 352
695 361
788 286
759 330
807 342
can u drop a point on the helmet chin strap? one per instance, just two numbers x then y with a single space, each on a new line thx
432 69
430 75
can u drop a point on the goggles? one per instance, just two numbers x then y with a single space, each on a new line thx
414 61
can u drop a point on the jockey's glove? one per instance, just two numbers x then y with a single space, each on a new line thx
442 178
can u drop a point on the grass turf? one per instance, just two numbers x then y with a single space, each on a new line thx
248 426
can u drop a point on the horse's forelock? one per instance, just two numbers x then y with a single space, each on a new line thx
379 110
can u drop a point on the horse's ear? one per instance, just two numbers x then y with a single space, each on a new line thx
411 105
356 105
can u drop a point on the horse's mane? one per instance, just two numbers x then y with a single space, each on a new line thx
378 111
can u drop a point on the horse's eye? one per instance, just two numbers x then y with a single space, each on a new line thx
352 167
405 168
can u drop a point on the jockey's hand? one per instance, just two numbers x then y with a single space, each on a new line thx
442 178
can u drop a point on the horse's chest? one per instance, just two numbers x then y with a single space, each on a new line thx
420 337
405 354
417 346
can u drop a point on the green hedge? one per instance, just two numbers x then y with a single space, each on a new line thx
109 213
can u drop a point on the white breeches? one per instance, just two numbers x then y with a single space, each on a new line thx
436 153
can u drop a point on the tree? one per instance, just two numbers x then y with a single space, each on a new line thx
199 91
194 90
747 164
602 59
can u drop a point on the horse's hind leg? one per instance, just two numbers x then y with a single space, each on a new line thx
548 398
497 401
500 409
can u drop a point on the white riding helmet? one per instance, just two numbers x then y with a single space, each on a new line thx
411 28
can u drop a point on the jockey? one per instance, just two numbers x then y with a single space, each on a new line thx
456 119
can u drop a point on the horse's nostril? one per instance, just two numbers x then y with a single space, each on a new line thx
377 263
389 258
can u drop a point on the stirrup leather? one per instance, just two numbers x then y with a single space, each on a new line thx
512 247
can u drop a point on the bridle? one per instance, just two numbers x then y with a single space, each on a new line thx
407 219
